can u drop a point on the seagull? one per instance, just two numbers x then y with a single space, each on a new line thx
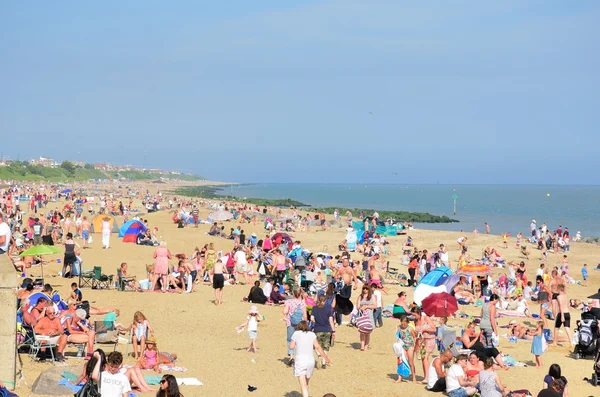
371 113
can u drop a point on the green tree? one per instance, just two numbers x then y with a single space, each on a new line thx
88 166
69 167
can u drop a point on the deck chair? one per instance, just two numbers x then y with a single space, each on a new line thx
86 279
41 341
106 334
123 282
101 280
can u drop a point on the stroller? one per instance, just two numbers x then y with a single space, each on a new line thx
587 335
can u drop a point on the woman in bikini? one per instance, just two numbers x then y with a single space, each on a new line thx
473 367
426 330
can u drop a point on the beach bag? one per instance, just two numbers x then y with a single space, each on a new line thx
296 316
404 370
90 389
4 392
398 348
363 322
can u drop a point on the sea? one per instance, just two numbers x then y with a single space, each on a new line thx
506 208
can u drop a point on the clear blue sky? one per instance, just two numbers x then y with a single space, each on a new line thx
280 91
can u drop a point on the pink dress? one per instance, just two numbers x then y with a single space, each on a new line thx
161 260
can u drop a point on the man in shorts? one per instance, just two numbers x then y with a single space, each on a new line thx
218 281
563 317
241 263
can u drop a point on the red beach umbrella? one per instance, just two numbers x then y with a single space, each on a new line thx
439 304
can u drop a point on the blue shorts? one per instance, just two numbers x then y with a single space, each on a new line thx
85 234
460 392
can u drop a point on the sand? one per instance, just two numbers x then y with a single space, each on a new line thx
204 338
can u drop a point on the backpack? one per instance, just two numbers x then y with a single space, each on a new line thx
296 316
363 322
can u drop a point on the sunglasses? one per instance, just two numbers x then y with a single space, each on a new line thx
163 381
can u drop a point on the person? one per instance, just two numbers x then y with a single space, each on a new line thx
161 267
412 270
378 312
457 384
488 324
88 368
112 382
241 263
436 379
426 328
471 339
401 307
473 367
218 280
38 229
487 228
323 324
50 326
408 336
149 360
556 389
78 331
85 232
70 255
140 326
106 233
257 294
537 343
584 272
76 293
168 387
252 321
554 373
5 235
563 316
366 303
294 310
490 384
302 343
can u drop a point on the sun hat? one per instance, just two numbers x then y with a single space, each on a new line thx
253 310
151 341
81 314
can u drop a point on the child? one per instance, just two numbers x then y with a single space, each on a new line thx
440 333
252 321
519 237
76 293
505 240
150 360
538 343
140 327
584 272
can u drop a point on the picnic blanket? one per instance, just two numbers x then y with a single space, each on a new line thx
510 313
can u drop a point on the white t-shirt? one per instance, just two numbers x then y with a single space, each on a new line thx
240 258
114 385
252 323
460 240
377 295
540 272
105 226
267 289
303 352
452 376
5 231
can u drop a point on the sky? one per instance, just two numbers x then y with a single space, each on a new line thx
337 91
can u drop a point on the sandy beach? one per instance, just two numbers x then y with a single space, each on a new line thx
204 338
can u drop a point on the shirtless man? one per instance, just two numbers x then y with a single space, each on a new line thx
85 231
348 275
563 317
218 280
375 278
554 283
50 327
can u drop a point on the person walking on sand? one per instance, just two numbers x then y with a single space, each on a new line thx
85 231
252 321
487 228
218 281
563 317
105 233
302 343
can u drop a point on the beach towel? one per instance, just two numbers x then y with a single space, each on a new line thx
76 388
510 313
172 368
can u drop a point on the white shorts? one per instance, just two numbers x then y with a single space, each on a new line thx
304 368
241 267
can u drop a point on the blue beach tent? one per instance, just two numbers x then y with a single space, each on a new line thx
436 276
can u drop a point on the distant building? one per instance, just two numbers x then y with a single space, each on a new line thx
44 162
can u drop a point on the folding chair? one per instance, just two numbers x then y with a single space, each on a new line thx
123 282
86 279
42 341
101 280
106 334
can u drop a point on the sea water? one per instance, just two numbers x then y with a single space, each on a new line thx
506 208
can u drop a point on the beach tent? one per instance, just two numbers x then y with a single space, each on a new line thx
131 229
436 276
97 223
423 291
358 226
351 239
33 298
389 230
